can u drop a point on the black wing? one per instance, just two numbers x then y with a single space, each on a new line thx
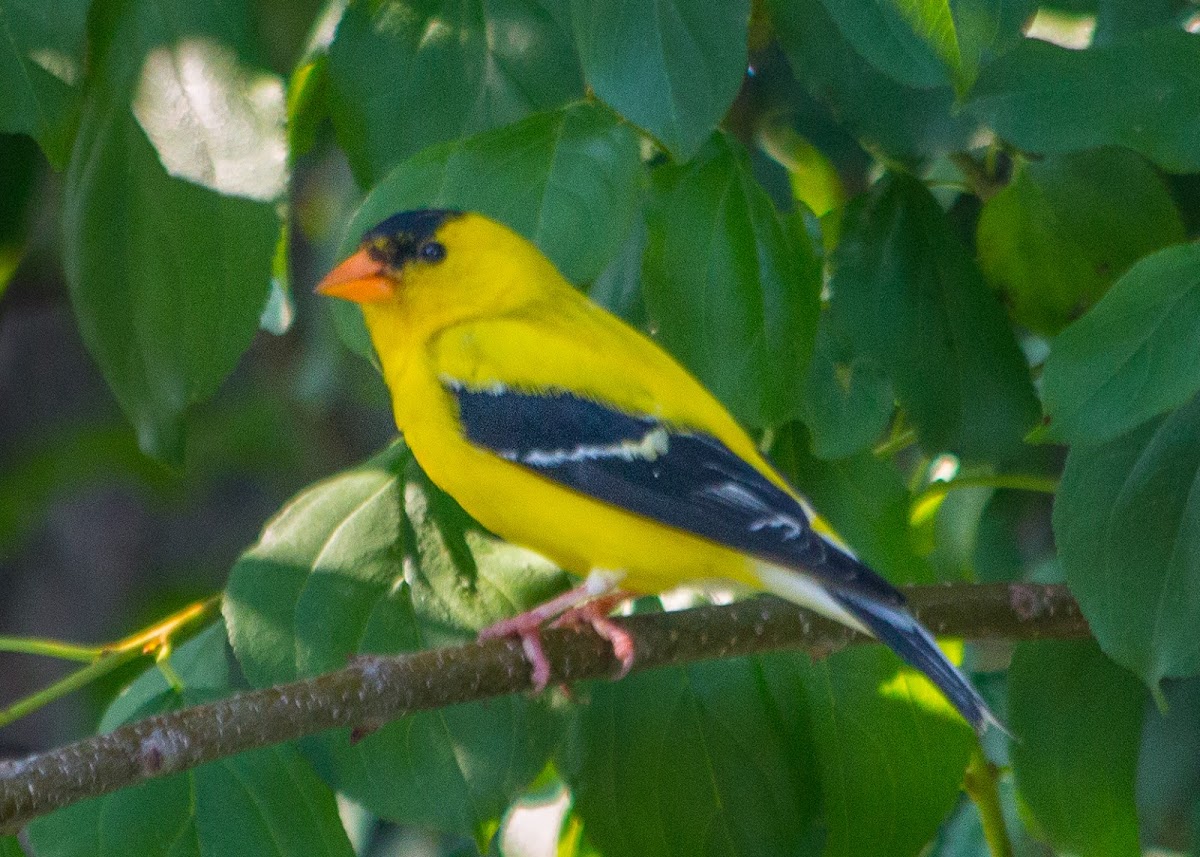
687 480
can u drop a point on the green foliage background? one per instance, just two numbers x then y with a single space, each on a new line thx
893 237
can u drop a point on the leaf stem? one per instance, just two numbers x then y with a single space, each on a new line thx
981 782
895 442
50 649
1013 481
102 660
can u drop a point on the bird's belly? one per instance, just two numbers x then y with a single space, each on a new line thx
576 531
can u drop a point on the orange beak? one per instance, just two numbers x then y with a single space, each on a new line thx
360 279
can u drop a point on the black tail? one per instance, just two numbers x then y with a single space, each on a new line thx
901 632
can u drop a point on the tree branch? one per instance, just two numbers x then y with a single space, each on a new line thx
374 689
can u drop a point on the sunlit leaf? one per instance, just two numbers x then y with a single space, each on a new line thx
169 219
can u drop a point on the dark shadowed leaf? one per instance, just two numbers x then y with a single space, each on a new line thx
41 64
1065 228
1139 93
730 289
672 67
1078 719
710 759
170 220
403 76
1133 356
375 560
908 294
1128 531
904 122
848 399
1117 19
20 168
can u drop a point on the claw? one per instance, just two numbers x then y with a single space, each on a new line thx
595 613
573 608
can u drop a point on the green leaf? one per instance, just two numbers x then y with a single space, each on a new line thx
903 122
813 178
20 168
376 560
404 76
987 29
201 663
41 62
10 846
555 178
1138 93
1057 236
907 292
672 67
1003 549
1116 19
890 750
848 399
913 42
262 802
618 288
308 85
710 759
307 103
170 221
1078 718
864 498
1132 357
730 289
1127 526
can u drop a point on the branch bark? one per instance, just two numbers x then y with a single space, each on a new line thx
373 690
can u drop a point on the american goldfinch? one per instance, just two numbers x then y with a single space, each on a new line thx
563 429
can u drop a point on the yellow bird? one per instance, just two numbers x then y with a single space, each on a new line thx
563 429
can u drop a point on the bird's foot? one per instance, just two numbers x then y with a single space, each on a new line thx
573 607
595 614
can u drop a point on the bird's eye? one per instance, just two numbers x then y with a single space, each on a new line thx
432 251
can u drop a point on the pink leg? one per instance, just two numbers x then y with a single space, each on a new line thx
595 613
573 607
538 616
